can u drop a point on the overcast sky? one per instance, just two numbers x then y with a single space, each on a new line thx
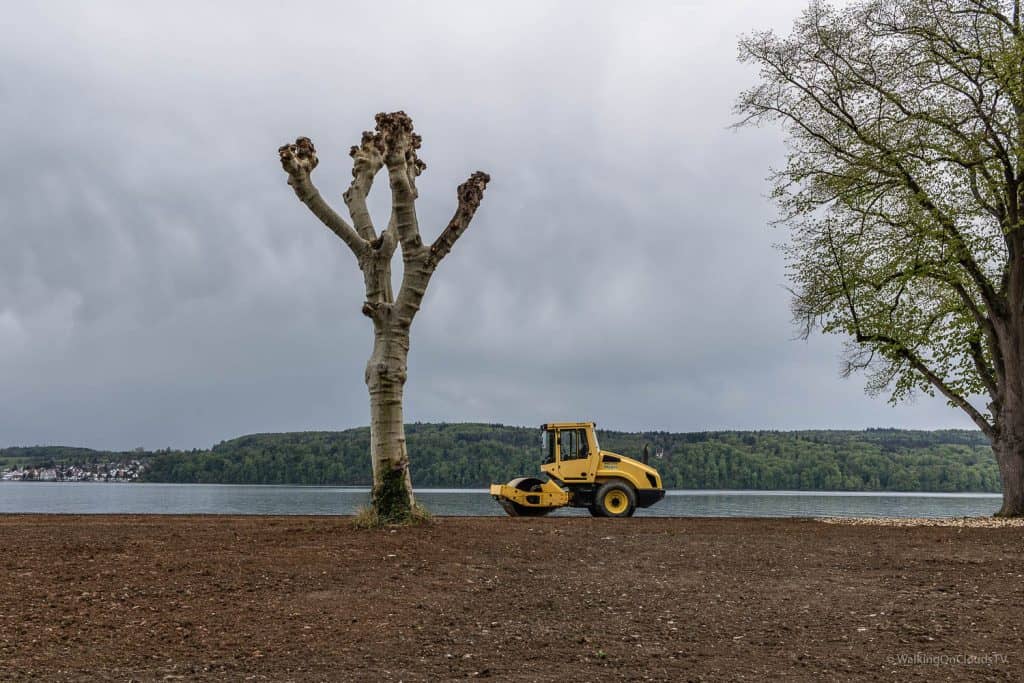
160 284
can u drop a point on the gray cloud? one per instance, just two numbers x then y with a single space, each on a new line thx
160 285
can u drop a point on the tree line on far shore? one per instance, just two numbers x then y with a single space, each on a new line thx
475 455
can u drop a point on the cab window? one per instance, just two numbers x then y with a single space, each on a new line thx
548 446
569 444
584 447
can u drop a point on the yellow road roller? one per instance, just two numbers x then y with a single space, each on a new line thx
580 474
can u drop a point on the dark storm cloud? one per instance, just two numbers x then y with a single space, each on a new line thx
160 285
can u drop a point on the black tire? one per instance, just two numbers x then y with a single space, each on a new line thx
615 499
594 510
515 509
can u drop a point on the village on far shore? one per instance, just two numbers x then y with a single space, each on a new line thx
101 472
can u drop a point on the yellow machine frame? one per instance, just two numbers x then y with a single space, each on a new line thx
578 470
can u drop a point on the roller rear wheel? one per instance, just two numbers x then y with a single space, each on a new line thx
615 499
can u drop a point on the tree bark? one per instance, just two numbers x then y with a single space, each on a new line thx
1009 452
385 379
1008 441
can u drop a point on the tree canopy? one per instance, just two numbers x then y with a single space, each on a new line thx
903 132
903 193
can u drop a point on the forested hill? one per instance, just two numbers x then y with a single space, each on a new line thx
474 455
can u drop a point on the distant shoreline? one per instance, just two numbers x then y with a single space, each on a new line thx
466 455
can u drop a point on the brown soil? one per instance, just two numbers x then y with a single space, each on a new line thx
556 599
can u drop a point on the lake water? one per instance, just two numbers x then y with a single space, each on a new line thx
176 499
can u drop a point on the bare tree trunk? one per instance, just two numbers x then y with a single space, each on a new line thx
1010 456
1008 442
394 146
385 379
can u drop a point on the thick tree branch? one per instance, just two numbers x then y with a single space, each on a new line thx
470 193
893 345
963 256
421 263
897 347
404 165
918 364
984 371
299 160
367 160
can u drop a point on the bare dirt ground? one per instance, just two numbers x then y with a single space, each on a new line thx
557 599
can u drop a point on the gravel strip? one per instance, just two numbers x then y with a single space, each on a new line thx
973 522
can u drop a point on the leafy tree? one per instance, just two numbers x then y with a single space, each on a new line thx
904 192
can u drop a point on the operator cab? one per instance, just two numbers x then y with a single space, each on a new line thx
567 448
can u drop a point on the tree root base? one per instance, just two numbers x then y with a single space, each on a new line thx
392 501
368 518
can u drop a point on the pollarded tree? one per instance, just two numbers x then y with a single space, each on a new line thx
904 194
393 145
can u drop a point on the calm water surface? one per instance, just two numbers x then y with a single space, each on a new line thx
95 498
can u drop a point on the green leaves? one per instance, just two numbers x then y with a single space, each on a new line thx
902 189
